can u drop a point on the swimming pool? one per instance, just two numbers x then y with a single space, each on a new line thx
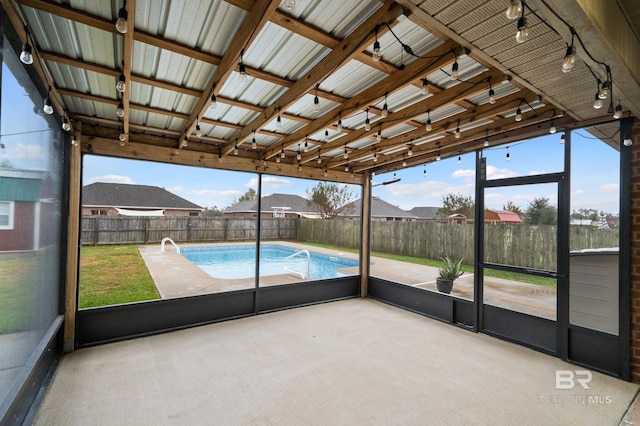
239 260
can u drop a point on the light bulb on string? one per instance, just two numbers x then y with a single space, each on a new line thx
385 108
428 126
618 111
604 90
438 157
376 56
254 144
298 155
235 149
514 10
214 101
424 172
569 58
379 135
306 146
492 95
122 137
404 162
518 114
290 4
410 150
66 126
278 121
339 126
74 140
282 154
425 86
123 16
597 103
326 135
346 154
456 133
375 157
459 160
198 131
367 123
319 158
26 55
277 158
454 70
47 108
486 138
316 104
627 141
507 158
562 139
523 31
120 110
552 128
121 85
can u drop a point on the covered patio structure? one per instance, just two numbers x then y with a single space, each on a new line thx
335 91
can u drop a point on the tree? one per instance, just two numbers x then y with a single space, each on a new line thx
212 212
511 207
541 212
457 204
329 199
250 195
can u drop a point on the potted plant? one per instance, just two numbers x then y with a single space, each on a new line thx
448 272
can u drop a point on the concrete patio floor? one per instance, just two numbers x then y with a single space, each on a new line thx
352 362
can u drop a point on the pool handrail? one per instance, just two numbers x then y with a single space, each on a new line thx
164 240
284 263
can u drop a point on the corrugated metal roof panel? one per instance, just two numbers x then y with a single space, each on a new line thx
337 17
352 78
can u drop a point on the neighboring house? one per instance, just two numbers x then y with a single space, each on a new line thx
501 217
425 213
380 210
113 199
22 201
274 205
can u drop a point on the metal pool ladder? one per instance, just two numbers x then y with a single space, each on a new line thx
164 240
284 263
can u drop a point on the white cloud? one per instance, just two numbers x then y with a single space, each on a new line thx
495 173
176 189
268 182
610 187
112 179
428 190
465 173
216 193
22 151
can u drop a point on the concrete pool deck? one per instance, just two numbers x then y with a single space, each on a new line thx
175 276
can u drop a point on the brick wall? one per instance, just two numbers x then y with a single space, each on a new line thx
635 253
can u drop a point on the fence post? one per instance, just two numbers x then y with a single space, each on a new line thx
188 229
95 231
146 231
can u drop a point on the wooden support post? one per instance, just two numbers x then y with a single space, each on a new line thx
365 246
73 243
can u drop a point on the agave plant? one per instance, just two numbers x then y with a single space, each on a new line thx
450 269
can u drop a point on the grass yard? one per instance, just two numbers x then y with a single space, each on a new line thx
111 275
18 282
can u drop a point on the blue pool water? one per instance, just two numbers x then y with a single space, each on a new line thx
238 261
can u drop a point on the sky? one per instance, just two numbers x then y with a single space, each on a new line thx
595 176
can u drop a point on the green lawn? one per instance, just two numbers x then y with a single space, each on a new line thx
111 275
513 276
18 292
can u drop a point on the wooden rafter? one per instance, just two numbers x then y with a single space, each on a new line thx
342 53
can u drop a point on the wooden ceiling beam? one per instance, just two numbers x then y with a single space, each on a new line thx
472 140
342 53
253 23
477 113
372 94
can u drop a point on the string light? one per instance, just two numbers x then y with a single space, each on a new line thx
425 86
507 158
428 127
121 85
346 168
486 138
306 145
410 150
367 123
242 68
316 101
597 102
123 16
122 137
552 128
346 154
277 158
375 157
325 173
326 135
523 31
376 56
47 108
424 172
569 58
235 149
604 90
562 139
518 114
66 126
385 108
74 140
214 101
254 144
120 110
492 94
627 141
404 162
319 158
282 154
298 155
379 135
459 160
438 157
278 120
26 56
290 4
618 111
454 70
185 143
198 129
514 10
339 126
457 131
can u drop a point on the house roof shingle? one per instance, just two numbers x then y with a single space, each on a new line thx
379 208
425 212
293 203
133 196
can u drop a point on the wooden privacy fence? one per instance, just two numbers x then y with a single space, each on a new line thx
100 230
530 246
